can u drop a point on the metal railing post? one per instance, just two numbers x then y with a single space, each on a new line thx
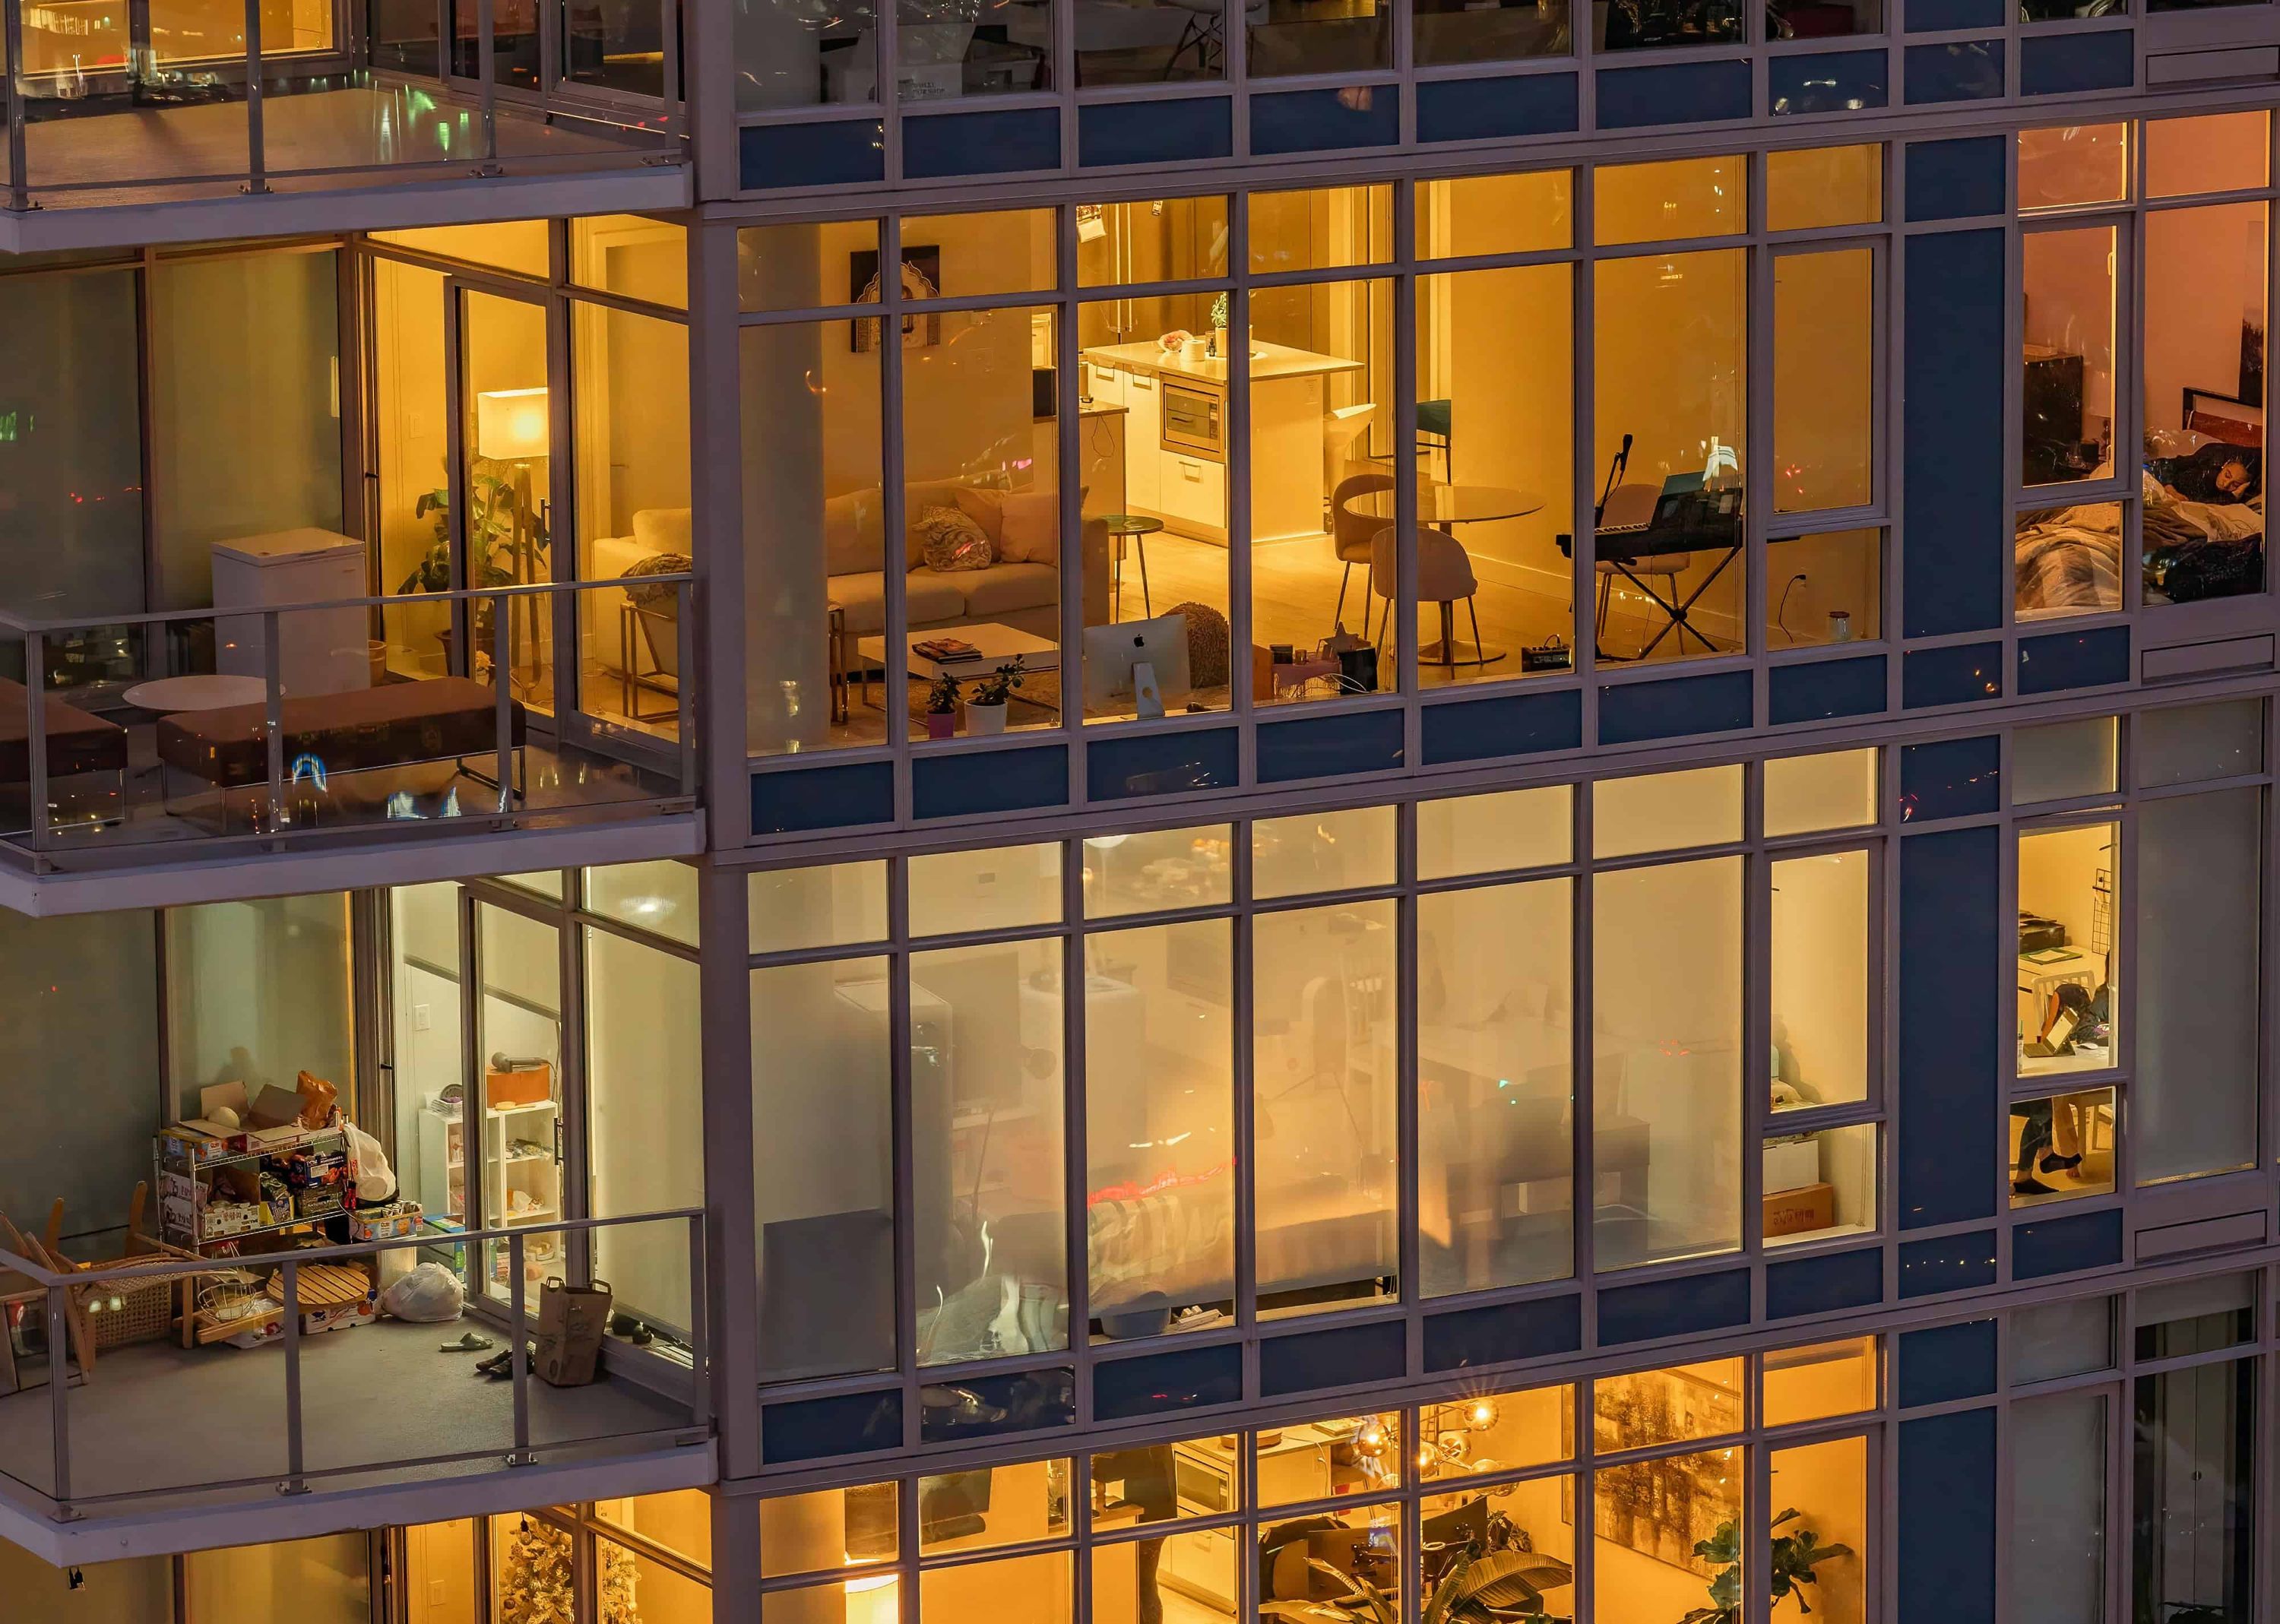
685 699
487 85
296 1447
35 731
503 692
700 1354
257 158
20 187
272 702
519 1366
58 1393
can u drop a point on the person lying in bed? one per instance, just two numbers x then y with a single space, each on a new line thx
2217 473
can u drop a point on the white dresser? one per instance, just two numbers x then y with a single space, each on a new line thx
319 651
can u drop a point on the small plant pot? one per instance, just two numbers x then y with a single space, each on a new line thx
942 724
984 719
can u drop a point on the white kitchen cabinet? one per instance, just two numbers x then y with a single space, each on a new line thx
1193 493
1143 435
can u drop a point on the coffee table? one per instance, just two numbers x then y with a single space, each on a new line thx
213 692
997 643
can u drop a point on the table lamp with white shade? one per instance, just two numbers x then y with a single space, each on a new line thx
515 427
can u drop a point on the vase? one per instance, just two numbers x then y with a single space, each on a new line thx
942 724
981 720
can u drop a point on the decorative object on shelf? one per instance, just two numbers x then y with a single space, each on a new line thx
942 705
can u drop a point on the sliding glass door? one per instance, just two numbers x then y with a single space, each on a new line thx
515 1095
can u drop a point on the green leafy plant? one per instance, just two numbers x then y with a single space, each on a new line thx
492 508
998 686
1486 1589
941 695
1792 1558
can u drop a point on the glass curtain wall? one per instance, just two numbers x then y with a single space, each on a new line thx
1251 1036
1270 507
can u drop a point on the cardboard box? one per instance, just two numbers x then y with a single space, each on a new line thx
1792 1165
571 1321
529 1085
1800 1211
390 1222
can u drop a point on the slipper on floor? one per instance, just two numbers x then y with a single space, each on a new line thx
470 1342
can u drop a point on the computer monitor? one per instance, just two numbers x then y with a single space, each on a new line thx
1112 652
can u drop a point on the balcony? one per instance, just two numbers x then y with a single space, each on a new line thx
555 710
459 109
159 1438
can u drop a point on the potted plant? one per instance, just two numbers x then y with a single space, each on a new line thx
1793 1558
942 706
985 712
1218 321
1501 1586
506 546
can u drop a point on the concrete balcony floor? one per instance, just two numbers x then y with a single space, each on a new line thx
165 1423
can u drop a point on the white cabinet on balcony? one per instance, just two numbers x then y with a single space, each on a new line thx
318 651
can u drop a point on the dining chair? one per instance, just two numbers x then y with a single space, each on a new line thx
1351 533
1444 575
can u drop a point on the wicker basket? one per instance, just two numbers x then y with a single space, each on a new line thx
129 1310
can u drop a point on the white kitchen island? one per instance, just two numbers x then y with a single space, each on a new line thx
1176 424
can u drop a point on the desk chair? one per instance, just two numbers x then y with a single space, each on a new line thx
1444 574
1351 535
1628 508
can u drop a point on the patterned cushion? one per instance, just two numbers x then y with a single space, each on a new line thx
950 541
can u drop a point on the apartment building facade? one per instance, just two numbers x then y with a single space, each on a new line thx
1493 1001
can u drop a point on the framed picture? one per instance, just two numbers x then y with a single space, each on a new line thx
921 279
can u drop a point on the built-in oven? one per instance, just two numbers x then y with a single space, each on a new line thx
1205 1489
1195 417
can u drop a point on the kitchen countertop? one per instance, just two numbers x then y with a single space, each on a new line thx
1270 362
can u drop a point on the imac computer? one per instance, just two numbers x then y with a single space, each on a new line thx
1137 666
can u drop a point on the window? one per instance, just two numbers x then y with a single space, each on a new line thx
1824 380
1285 37
2059 761
1449 31
2066 962
1468 215
2056 1463
2193 1493
1811 187
2068 377
2061 1147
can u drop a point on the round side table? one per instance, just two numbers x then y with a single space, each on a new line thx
1137 527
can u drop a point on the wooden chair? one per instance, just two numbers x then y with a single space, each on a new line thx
17 1288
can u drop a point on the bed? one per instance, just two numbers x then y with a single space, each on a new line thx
2200 541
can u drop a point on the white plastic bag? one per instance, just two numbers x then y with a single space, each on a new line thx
375 1180
429 1294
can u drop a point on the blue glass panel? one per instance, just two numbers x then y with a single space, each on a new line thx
840 798
1951 777
846 152
1185 129
1945 1562
1319 121
1958 673
1824 688
2063 1245
1673 93
1945 1363
1685 1307
1187 759
1951 973
1341 1358
1955 179
2062 63
974 783
1969 71
1329 746
1832 82
1519 725
1824 1285
1494 109
817 1428
1956 555
2075 659
980 143
982 1407
1952 1262
1942 16
1503 1332
1632 712
1190 1379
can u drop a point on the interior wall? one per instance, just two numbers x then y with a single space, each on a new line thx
1820 974
138 1590
78 1020
2056 868
439 1585
257 991
2204 278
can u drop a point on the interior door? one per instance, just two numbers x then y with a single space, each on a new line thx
516 1093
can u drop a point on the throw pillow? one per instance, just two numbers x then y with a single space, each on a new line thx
949 541
1032 530
986 508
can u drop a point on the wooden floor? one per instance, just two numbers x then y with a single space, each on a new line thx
142 154
1295 599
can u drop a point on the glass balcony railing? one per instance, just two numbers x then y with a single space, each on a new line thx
359 719
124 101
241 1340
